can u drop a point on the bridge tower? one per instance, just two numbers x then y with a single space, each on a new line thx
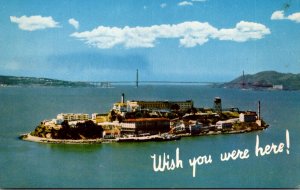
243 83
137 78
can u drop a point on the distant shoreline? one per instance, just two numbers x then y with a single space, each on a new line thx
264 80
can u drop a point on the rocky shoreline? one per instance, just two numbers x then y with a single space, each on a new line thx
29 137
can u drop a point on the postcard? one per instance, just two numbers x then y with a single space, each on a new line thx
149 94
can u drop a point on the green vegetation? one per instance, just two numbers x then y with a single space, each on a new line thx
32 81
229 115
248 126
86 130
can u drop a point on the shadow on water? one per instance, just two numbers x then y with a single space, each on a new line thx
80 148
83 148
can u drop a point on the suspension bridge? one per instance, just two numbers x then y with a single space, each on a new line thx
111 83
137 82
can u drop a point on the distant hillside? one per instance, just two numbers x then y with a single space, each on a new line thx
32 81
266 79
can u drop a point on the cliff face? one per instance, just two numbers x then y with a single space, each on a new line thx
266 79
86 130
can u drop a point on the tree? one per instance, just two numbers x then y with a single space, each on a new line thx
120 118
113 115
193 110
64 132
175 107
138 115
89 130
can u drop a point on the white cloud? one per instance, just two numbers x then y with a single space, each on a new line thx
163 5
190 34
34 22
185 3
243 31
294 17
74 23
279 15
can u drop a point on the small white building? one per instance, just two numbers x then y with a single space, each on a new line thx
248 117
128 128
94 116
74 123
110 125
120 107
57 121
224 124
278 87
132 106
180 127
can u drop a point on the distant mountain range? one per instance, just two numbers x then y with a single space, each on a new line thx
266 79
33 81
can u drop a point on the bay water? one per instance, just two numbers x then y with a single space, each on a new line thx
129 165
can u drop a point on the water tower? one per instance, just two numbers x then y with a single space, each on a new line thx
123 98
218 105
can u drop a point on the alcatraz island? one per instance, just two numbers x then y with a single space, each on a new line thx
139 121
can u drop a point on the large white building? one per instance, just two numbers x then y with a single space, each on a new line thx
151 105
145 125
72 116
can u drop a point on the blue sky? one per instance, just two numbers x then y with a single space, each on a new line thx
192 40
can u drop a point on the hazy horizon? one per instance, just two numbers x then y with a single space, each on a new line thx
176 40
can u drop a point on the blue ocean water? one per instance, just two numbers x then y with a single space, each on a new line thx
129 165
